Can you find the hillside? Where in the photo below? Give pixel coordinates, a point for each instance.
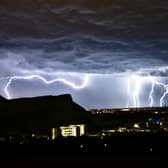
(29, 114)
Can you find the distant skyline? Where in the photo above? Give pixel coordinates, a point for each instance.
(105, 54)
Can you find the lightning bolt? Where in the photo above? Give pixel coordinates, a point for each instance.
(134, 94)
(151, 94)
(128, 89)
(154, 84)
(48, 82)
(164, 96)
(138, 82)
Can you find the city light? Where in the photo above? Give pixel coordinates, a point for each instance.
(53, 134)
(136, 125)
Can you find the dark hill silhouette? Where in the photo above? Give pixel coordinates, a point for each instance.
(2, 98)
(30, 114)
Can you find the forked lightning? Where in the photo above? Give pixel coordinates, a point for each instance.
(48, 82)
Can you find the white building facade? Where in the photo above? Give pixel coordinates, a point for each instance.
(73, 130)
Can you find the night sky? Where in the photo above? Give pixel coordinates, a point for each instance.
(106, 53)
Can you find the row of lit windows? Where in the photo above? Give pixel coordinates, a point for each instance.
(67, 131)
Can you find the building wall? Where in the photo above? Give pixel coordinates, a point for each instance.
(55, 132)
(72, 130)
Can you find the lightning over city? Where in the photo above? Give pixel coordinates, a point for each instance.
(85, 79)
(119, 60)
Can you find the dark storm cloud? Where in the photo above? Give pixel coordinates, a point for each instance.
(127, 19)
(157, 72)
(98, 37)
(83, 36)
(91, 62)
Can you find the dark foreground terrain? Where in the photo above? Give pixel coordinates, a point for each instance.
(135, 144)
(118, 150)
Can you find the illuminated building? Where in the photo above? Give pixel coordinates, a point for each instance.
(136, 125)
(51, 134)
(40, 136)
(122, 129)
(55, 132)
(73, 130)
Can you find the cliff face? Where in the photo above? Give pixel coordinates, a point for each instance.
(39, 113)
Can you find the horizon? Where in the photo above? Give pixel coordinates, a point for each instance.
(62, 95)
